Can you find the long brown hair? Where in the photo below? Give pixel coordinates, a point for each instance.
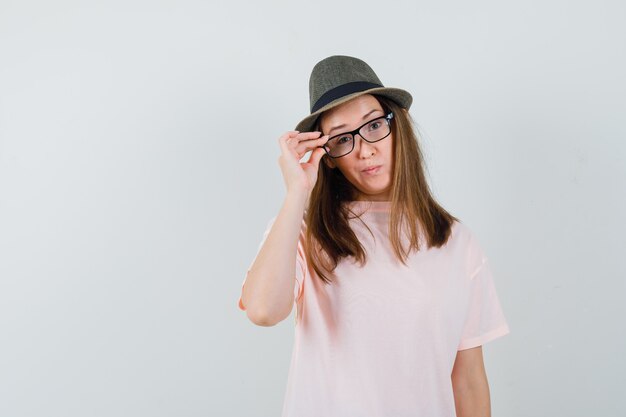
(328, 234)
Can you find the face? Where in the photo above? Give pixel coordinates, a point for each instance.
(374, 185)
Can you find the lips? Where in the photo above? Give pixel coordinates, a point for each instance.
(372, 168)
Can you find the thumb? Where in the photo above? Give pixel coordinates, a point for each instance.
(316, 156)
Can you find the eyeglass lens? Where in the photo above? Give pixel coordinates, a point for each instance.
(343, 144)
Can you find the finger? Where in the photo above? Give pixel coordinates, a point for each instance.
(303, 145)
(315, 148)
(289, 134)
(291, 142)
(316, 156)
(307, 135)
(285, 147)
(306, 145)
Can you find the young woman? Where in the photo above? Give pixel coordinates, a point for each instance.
(394, 296)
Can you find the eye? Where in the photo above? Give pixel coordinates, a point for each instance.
(375, 125)
(343, 139)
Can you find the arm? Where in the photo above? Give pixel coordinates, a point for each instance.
(469, 382)
(269, 285)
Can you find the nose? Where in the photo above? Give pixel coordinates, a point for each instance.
(365, 149)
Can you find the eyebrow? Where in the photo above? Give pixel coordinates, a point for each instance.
(364, 116)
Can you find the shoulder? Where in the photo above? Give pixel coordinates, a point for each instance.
(475, 254)
(465, 241)
(461, 234)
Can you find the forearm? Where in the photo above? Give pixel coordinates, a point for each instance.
(471, 397)
(269, 286)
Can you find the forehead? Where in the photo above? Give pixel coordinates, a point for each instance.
(349, 112)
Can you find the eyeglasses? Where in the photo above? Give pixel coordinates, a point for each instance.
(372, 131)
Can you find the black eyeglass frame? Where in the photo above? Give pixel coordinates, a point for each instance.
(356, 131)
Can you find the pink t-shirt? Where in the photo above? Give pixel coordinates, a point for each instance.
(381, 340)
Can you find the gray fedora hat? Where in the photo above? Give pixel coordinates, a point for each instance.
(340, 78)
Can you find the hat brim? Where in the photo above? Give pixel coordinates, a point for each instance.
(402, 97)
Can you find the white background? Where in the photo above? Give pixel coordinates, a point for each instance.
(138, 170)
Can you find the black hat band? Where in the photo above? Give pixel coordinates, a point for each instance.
(342, 90)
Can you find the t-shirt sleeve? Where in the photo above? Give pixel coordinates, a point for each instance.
(301, 265)
(484, 319)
